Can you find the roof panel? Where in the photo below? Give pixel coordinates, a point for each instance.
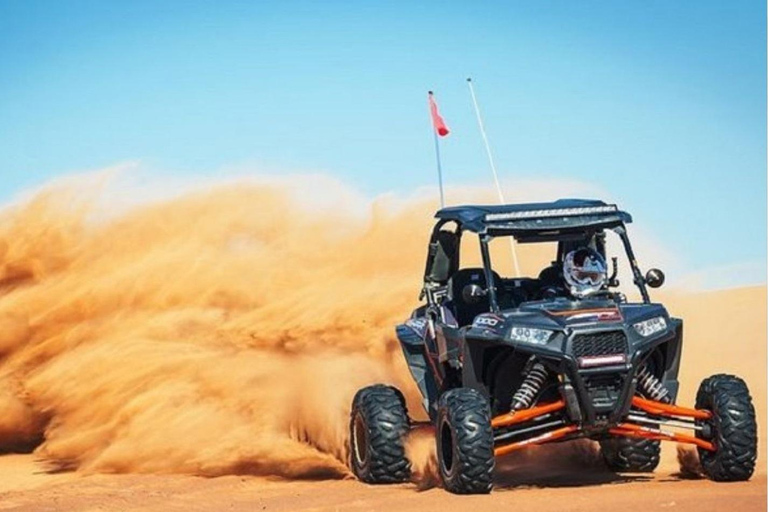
(530, 217)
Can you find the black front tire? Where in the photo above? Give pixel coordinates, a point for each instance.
(733, 429)
(630, 455)
(465, 442)
(377, 429)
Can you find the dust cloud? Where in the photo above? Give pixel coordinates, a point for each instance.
(219, 332)
(222, 331)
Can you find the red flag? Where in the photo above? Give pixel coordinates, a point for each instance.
(437, 121)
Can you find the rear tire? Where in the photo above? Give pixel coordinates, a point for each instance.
(733, 429)
(630, 455)
(465, 442)
(377, 429)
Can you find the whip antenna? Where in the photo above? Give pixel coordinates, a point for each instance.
(493, 168)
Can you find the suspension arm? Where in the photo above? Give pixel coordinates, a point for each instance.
(515, 417)
(639, 417)
(540, 439)
(632, 430)
(536, 427)
(664, 409)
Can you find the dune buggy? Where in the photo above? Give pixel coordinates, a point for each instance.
(505, 363)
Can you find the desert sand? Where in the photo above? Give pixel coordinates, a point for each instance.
(150, 363)
(571, 492)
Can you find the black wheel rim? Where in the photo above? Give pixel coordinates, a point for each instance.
(714, 430)
(446, 447)
(711, 424)
(360, 440)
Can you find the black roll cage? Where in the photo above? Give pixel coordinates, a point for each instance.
(429, 283)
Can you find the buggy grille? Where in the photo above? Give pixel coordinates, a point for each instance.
(599, 344)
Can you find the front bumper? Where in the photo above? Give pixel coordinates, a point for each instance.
(603, 392)
(598, 396)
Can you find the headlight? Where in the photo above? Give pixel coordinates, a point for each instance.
(650, 326)
(530, 335)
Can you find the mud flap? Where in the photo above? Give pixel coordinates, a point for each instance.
(413, 349)
(674, 350)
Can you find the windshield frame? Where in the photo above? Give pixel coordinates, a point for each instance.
(620, 230)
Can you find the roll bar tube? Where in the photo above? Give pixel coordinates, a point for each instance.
(638, 276)
(486, 255)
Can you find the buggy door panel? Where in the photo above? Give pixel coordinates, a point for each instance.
(448, 344)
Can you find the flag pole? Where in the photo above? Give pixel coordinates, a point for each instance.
(435, 119)
(493, 168)
(439, 170)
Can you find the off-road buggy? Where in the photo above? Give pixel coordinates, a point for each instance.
(507, 363)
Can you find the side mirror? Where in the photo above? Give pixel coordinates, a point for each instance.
(654, 278)
(472, 293)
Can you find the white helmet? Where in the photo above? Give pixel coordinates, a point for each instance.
(584, 271)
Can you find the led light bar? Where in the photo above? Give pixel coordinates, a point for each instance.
(553, 212)
(590, 362)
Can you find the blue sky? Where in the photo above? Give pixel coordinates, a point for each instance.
(660, 103)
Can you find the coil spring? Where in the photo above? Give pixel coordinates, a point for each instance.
(534, 380)
(652, 386)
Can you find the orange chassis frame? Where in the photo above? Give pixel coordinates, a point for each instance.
(669, 411)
